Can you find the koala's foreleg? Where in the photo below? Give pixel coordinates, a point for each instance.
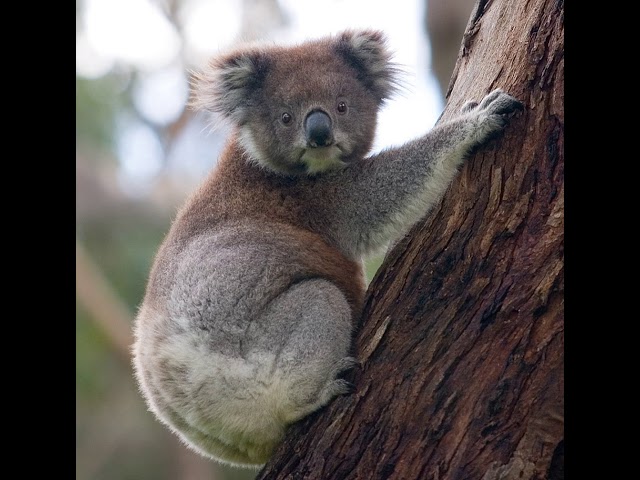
(380, 198)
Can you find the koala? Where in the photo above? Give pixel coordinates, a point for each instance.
(246, 322)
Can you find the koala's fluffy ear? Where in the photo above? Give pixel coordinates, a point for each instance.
(227, 85)
(366, 51)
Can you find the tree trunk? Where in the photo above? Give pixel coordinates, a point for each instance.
(462, 335)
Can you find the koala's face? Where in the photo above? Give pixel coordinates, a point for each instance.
(303, 109)
(312, 114)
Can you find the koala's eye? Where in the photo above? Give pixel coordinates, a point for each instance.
(286, 118)
(342, 107)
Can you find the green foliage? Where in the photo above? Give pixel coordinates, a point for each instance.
(124, 250)
(93, 355)
(97, 102)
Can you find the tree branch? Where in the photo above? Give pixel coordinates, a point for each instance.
(104, 306)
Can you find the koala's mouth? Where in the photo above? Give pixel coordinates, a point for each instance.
(330, 152)
(321, 159)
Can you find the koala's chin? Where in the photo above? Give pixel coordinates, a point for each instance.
(322, 159)
(247, 319)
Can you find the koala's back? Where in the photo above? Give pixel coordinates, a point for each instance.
(237, 307)
(220, 281)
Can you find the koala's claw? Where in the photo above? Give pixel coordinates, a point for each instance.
(500, 103)
(491, 97)
(344, 387)
(346, 364)
(492, 114)
(468, 106)
(495, 103)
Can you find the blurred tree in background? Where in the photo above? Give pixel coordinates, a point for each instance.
(139, 152)
(445, 21)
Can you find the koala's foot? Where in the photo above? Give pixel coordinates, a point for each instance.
(314, 348)
(492, 114)
(341, 386)
(346, 364)
(333, 387)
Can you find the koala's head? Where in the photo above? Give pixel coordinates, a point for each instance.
(303, 109)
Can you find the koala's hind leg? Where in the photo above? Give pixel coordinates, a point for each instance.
(315, 348)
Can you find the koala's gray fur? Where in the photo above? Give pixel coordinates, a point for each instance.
(246, 321)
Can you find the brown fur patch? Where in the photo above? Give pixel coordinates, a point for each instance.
(238, 191)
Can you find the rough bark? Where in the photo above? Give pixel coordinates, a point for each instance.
(462, 336)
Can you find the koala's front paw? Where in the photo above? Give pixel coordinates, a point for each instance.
(492, 114)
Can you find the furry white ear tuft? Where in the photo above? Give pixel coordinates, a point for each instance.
(366, 51)
(226, 84)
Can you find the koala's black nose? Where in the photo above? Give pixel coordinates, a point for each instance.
(318, 129)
